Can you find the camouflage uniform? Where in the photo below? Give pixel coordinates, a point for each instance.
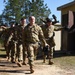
(7, 47)
(12, 43)
(5, 36)
(21, 48)
(48, 33)
(32, 34)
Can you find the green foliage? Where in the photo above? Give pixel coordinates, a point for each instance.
(15, 9)
(39, 10)
(65, 62)
(1, 41)
(2, 52)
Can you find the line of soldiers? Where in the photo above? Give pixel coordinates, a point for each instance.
(13, 42)
(23, 41)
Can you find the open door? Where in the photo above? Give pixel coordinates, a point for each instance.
(70, 19)
(71, 33)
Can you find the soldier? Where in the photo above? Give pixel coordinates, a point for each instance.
(48, 30)
(5, 35)
(49, 34)
(21, 51)
(32, 35)
(12, 41)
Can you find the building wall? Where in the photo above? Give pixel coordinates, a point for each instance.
(65, 10)
(64, 34)
(57, 40)
(67, 40)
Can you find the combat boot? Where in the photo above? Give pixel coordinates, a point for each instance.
(31, 69)
(51, 63)
(13, 60)
(19, 64)
(44, 59)
(16, 60)
(24, 63)
(9, 59)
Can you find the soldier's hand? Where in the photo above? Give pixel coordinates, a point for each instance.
(47, 45)
(65, 28)
(3, 27)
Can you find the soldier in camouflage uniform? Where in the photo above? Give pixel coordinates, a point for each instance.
(32, 35)
(48, 30)
(12, 42)
(6, 35)
(21, 51)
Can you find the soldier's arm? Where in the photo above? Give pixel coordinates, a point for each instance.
(58, 28)
(42, 38)
(9, 39)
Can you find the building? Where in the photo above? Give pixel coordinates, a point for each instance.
(68, 20)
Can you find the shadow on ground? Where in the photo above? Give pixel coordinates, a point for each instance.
(60, 53)
(16, 71)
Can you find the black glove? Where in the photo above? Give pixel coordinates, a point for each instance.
(65, 28)
(45, 50)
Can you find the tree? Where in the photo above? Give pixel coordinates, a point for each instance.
(15, 9)
(39, 10)
(12, 11)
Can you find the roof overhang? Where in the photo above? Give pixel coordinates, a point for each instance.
(66, 5)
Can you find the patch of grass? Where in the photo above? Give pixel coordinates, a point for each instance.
(65, 62)
(2, 53)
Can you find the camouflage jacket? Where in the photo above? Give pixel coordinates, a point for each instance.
(33, 34)
(20, 33)
(48, 31)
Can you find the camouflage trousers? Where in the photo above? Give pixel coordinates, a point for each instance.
(20, 52)
(51, 43)
(31, 51)
(12, 51)
(48, 53)
(24, 54)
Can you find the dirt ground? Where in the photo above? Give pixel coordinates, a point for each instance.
(8, 68)
(63, 65)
